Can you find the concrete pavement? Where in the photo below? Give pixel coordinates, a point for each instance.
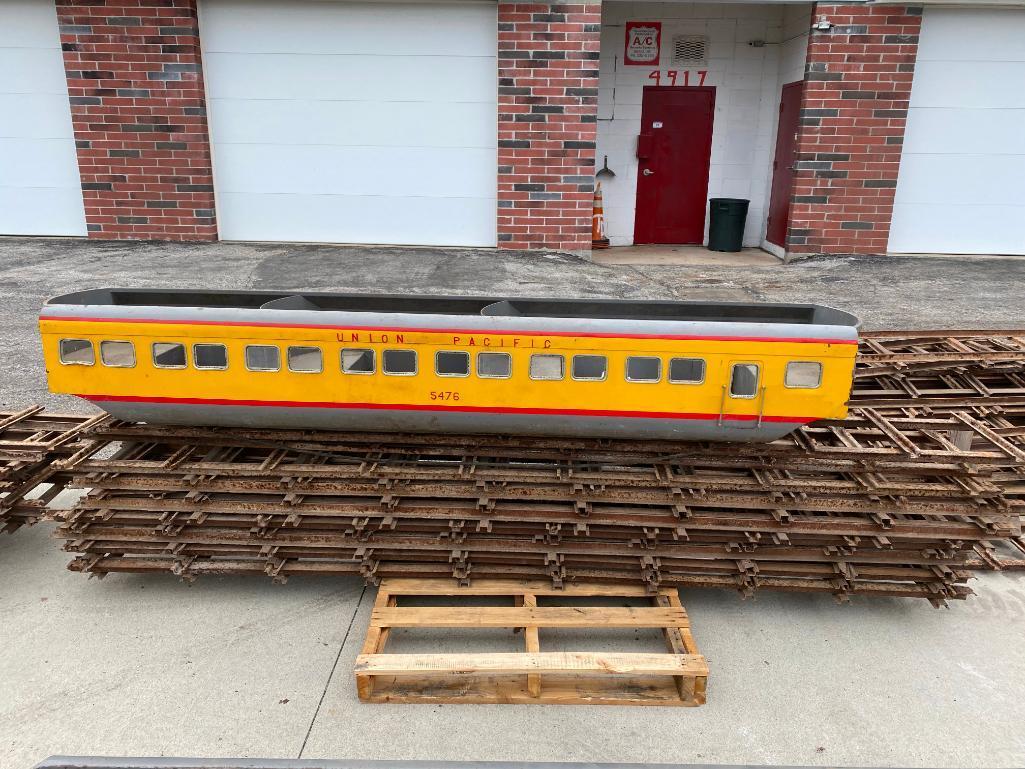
(145, 665)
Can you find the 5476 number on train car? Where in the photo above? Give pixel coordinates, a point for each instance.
(444, 395)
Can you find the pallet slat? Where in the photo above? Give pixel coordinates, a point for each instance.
(529, 616)
(537, 662)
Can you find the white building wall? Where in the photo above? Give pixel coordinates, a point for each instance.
(747, 80)
(793, 48)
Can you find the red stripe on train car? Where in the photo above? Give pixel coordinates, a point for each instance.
(461, 409)
(469, 331)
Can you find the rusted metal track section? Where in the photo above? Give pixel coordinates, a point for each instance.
(927, 378)
(35, 449)
(744, 578)
(870, 506)
(989, 387)
(866, 440)
(1000, 555)
(941, 370)
(956, 389)
(896, 351)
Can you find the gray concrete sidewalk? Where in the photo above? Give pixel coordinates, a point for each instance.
(144, 665)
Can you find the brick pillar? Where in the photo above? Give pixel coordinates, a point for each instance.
(139, 113)
(547, 123)
(858, 86)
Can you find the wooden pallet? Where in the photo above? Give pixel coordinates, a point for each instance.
(531, 676)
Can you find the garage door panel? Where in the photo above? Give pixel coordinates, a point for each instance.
(32, 70)
(971, 84)
(972, 35)
(38, 163)
(319, 170)
(40, 116)
(980, 179)
(950, 131)
(960, 187)
(41, 211)
(395, 124)
(40, 187)
(349, 78)
(27, 25)
(353, 122)
(326, 218)
(354, 30)
(958, 229)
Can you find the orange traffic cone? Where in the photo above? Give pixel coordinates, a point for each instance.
(598, 237)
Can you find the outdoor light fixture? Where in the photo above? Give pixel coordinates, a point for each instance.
(605, 172)
(822, 24)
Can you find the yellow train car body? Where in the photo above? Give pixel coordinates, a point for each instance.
(428, 400)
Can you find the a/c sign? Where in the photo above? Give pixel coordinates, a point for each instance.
(643, 42)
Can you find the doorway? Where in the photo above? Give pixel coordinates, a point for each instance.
(783, 164)
(673, 153)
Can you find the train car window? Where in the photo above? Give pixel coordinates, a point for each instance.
(547, 367)
(210, 356)
(643, 369)
(803, 374)
(494, 365)
(744, 380)
(169, 355)
(263, 357)
(686, 371)
(399, 362)
(590, 368)
(305, 360)
(452, 363)
(357, 361)
(77, 352)
(117, 354)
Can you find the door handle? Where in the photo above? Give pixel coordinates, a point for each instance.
(647, 172)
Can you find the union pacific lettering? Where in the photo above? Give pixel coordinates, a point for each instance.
(373, 337)
(370, 337)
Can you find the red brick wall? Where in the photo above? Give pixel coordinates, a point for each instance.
(138, 109)
(547, 123)
(858, 85)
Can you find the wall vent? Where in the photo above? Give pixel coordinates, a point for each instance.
(690, 50)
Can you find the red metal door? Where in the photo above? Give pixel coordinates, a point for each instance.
(783, 164)
(673, 153)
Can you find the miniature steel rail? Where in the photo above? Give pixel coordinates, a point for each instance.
(874, 505)
(34, 446)
(922, 485)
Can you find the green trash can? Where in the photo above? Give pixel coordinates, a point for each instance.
(726, 225)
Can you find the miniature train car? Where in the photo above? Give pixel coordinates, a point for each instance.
(629, 369)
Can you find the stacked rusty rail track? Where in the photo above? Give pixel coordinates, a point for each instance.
(979, 373)
(871, 505)
(34, 447)
(923, 484)
(952, 370)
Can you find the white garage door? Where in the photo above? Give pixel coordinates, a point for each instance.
(961, 188)
(40, 189)
(353, 122)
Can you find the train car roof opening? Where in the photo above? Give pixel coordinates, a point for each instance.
(611, 309)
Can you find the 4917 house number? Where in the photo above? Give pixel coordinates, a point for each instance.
(679, 77)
